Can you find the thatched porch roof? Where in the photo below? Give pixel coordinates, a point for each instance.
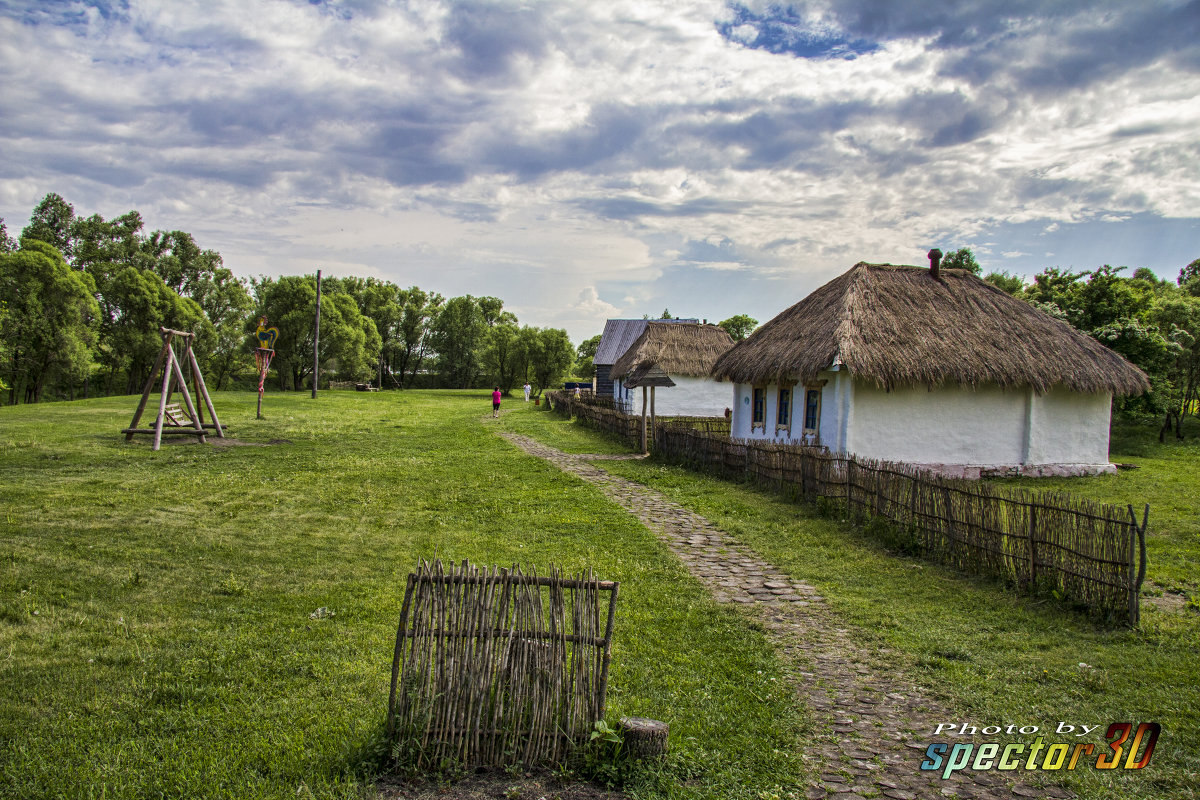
(898, 326)
(676, 348)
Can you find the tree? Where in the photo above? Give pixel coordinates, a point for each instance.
(418, 309)
(666, 314)
(962, 258)
(227, 305)
(585, 355)
(380, 301)
(458, 335)
(1178, 319)
(505, 355)
(48, 328)
(1012, 284)
(1189, 278)
(7, 243)
(51, 223)
(739, 326)
(352, 346)
(141, 304)
(550, 355)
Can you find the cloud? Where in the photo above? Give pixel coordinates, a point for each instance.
(591, 306)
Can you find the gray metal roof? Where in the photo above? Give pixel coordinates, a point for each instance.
(619, 334)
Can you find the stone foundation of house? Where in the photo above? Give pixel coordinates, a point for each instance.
(974, 472)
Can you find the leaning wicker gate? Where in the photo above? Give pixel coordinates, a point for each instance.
(494, 667)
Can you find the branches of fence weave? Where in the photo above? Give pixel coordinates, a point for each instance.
(1089, 553)
(496, 667)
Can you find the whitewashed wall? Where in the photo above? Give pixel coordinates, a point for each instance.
(952, 429)
(689, 397)
(1069, 428)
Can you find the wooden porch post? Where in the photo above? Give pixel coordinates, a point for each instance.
(644, 450)
(652, 428)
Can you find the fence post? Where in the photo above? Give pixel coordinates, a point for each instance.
(1032, 546)
(1137, 534)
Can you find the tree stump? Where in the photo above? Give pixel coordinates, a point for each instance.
(644, 738)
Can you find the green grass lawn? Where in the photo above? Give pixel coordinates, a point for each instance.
(155, 630)
(998, 657)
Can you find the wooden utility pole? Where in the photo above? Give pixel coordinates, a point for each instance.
(317, 340)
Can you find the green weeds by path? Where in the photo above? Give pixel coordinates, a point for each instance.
(997, 657)
(155, 629)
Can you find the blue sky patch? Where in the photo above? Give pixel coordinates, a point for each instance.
(782, 30)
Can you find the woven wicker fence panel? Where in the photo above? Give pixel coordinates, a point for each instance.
(1084, 551)
(495, 667)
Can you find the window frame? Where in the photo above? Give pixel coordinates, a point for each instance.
(785, 425)
(815, 431)
(758, 393)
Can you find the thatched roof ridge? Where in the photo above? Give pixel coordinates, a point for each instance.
(898, 326)
(678, 348)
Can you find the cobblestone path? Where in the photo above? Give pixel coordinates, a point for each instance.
(872, 725)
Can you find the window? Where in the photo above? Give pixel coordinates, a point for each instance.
(759, 405)
(812, 410)
(783, 411)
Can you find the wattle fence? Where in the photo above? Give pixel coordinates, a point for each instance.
(1085, 552)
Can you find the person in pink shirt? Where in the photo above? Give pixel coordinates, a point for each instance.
(496, 402)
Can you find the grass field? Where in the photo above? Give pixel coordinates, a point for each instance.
(155, 630)
(155, 637)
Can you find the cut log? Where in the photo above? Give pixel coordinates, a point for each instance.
(644, 738)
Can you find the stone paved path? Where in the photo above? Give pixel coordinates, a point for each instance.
(873, 726)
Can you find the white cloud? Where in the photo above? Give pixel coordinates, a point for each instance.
(592, 307)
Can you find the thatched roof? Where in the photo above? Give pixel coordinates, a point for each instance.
(677, 348)
(898, 326)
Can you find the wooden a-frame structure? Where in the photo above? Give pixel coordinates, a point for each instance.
(172, 419)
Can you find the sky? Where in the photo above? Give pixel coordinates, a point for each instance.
(584, 160)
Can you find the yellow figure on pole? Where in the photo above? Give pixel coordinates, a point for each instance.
(262, 356)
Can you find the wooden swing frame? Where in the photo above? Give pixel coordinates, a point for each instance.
(172, 376)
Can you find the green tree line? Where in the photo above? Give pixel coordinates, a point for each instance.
(82, 300)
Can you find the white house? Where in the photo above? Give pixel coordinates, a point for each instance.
(931, 367)
(676, 358)
(618, 336)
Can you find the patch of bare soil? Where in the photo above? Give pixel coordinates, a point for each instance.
(1173, 602)
(495, 786)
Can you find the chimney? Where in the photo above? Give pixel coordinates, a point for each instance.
(935, 257)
